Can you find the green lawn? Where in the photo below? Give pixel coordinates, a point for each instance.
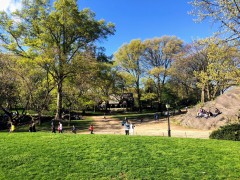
(70, 156)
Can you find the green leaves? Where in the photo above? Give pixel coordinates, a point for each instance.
(53, 36)
(218, 68)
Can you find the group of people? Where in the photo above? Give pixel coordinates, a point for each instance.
(59, 128)
(74, 130)
(206, 114)
(129, 127)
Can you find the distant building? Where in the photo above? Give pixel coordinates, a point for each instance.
(126, 100)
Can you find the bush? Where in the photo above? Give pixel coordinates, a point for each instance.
(228, 132)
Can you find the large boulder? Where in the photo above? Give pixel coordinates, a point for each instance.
(228, 103)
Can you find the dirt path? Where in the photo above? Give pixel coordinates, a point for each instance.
(147, 127)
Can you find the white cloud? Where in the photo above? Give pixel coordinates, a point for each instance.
(10, 5)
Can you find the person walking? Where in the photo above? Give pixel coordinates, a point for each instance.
(53, 127)
(12, 128)
(60, 128)
(156, 116)
(74, 129)
(132, 126)
(33, 126)
(91, 128)
(126, 127)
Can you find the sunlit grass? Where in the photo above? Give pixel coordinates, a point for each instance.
(70, 156)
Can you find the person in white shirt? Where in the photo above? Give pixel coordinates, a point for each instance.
(60, 127)
(126, 127)
(132, 126)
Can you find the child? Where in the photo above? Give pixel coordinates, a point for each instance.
(73, 129)
(12, 128)
(91, 129)
(60, 127)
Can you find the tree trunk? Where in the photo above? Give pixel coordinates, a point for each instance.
(203, 94)
(139, 99)
(208, 93)
(69, 118)
(159, 93)
(159, 106)
(59, 101)
(39, 118)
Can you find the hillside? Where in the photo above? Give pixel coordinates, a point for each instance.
(228, 103)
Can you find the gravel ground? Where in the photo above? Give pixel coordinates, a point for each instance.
(147, 128)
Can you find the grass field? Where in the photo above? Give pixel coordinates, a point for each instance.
(72, 156)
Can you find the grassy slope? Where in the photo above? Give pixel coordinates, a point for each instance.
(69, 156)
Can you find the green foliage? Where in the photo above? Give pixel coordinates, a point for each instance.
(220, 66)
(128, 60)
(158, 57)
(73, 156)
(52, 35)
(228, 132)
(208, 66)
(148, 96)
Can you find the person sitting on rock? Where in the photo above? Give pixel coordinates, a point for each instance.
(202, 113)
(209, 113)
(217, 112)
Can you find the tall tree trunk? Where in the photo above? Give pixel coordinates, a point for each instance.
(159, 94)
(139, 98)
(159, 106)
(159, 100)
(59, 101)
(208, 93)
(203, 94)
(39, 117)
(69, 117)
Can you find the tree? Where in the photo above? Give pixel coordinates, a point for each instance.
(106, 83)
(8, 92)
(209, 66)
(35, 86)
(224, 12)
(52, 36)
(183, 81)
(128, 59)
(149, 92)
(222, 61)
(158, 56)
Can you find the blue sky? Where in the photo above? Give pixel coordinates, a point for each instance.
(141, 19)
(145, 19)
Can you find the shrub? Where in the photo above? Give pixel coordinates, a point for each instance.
(228, 132)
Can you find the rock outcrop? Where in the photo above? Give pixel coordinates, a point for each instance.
(228, 103)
